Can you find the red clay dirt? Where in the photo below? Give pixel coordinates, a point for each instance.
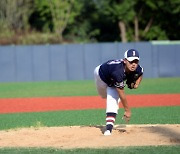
(13, 105)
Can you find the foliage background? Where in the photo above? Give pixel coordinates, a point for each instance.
(78, 21)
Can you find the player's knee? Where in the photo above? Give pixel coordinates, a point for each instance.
(112, 98)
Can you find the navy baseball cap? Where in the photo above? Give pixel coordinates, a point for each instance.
(131, 55)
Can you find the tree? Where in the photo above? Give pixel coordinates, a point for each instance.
(61, 13)
(15, 14)
(41, 19)
(84, 27)
(120, 11)
(157, 18)
(142, 19)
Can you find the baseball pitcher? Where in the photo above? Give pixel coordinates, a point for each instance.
(111, 77)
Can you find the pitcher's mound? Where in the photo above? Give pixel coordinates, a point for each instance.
(91, 137)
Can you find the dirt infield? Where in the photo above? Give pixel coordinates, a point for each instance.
(12, 105)
(91, 137)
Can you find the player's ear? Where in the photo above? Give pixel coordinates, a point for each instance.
(125, 60)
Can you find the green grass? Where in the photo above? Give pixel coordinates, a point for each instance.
(120, 150)
(44, 89)
(82, 88)
(151, 115)
(157, 86)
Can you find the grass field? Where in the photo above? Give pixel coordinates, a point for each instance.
(150, 115)
(120, 150)
(82, 88)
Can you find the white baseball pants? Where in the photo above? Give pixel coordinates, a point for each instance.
(110, 93)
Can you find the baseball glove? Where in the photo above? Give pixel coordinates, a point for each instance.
(131, 80)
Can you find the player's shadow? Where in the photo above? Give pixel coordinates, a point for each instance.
(102, 128)
(120, 128)
(173, 136)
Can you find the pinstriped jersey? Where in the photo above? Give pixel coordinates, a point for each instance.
(113, 73)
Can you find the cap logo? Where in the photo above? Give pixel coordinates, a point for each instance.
(134, 53)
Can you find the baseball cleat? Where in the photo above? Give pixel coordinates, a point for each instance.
(107, 133)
